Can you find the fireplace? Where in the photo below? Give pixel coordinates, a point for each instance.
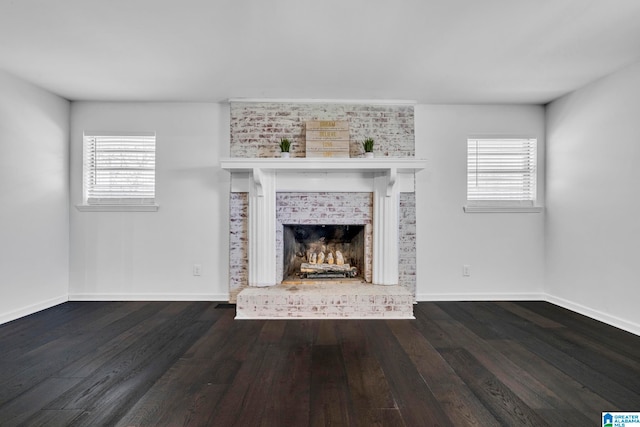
(324, 252)
(297, 208)
(268, 195)
(324, 215)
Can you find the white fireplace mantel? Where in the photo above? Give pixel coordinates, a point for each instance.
(300, 174)
(324, 164)
(262, 178)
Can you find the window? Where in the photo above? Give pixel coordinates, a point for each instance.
(501, 174)
(119, 171)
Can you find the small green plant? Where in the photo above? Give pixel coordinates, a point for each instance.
(367, 144)
(285, 145)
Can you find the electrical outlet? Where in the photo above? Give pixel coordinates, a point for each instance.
(197, 269)
(466, 270)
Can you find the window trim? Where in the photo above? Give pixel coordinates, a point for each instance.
(502, 209)
(503, 206)
(118, 208)
(123, 205)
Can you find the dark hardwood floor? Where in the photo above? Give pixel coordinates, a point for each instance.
(190, 363)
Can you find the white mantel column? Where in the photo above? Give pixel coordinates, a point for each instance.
(386, 222)
(262, 228)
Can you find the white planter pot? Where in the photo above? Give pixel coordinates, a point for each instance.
(368, 155)
(285, 154)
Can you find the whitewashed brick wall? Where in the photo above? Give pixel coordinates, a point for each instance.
(407, 254)
(256, 127)
(238, 248)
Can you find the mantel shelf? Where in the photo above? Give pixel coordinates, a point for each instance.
(379, 164)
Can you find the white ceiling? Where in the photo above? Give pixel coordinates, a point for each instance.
(431, 51)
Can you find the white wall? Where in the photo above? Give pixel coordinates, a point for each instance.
(34, 198)
(150, 255)
(593, 230)
(505, 250)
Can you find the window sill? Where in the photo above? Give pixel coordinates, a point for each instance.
(117, 208)
(503, 209)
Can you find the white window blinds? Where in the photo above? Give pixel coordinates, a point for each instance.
(119, 169)
(501, 171)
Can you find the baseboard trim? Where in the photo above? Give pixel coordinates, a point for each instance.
(149, 297)
(33, 308)
(482, 297)
(619, 323)
(625, 325)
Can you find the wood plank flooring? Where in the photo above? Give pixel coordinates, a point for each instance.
(191, 364)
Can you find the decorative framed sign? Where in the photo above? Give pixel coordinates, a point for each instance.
(327, 138)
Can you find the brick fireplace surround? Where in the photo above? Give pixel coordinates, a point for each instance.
(267, 192)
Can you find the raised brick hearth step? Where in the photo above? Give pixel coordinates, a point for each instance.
(325, 301)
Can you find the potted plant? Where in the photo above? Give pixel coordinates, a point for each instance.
(367, 144)
(285, 145)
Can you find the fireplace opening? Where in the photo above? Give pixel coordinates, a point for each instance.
(323, 252)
